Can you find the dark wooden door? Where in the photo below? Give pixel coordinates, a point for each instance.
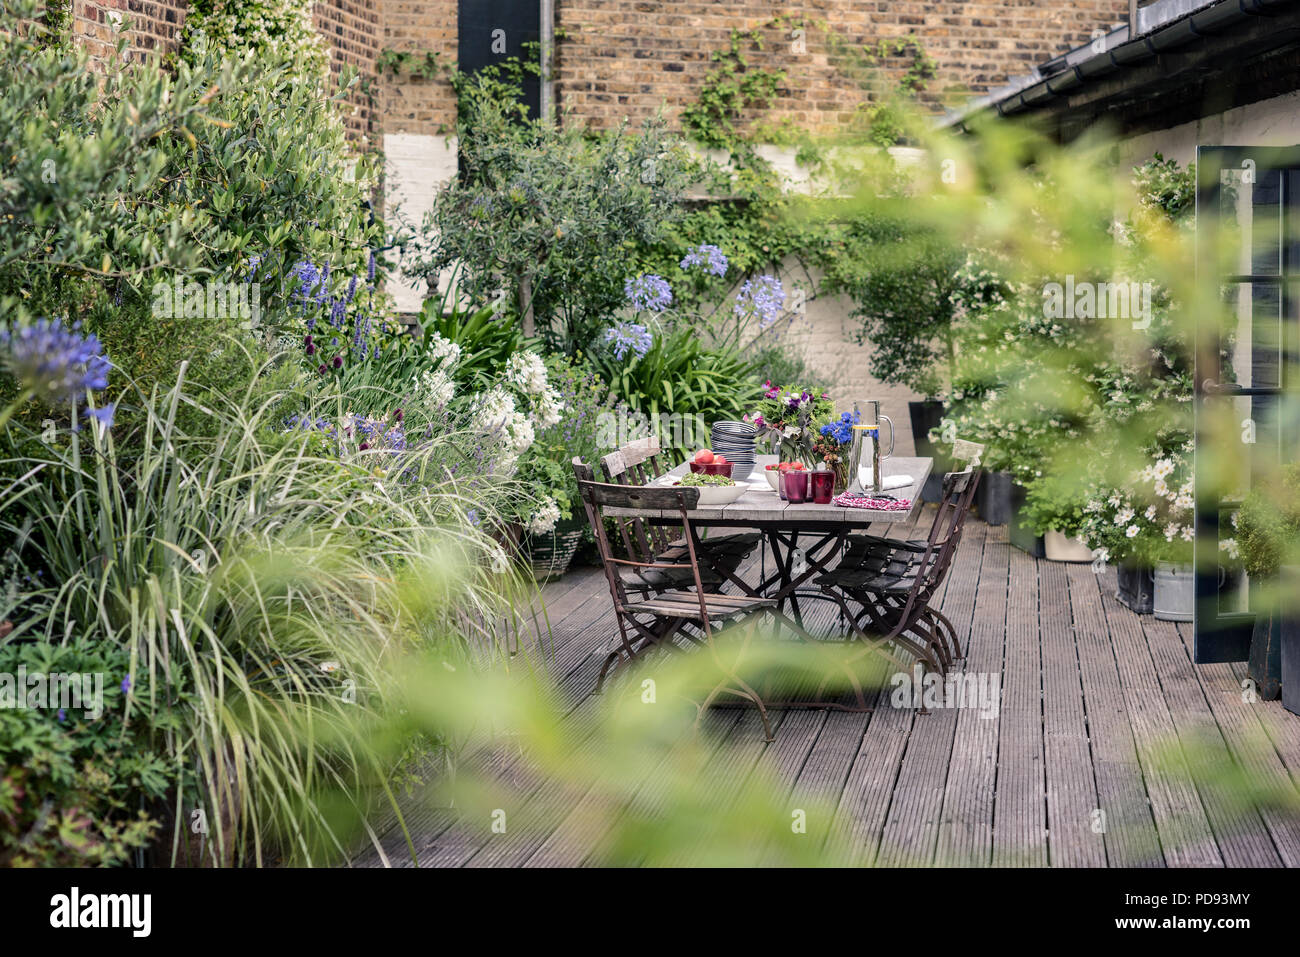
(1247, 204)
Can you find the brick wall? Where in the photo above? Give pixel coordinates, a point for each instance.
(419, 105)
(622, 58)
(354, 31)
(155, 24)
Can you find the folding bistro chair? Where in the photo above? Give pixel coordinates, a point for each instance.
(893, 582)
(637, 463)
(655, 572)
(654, 621)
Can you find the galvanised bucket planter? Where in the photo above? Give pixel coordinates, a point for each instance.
(1175, 592)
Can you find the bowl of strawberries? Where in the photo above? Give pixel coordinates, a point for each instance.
(778, 469)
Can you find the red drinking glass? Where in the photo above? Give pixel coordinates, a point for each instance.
(823, 486)
(796, 486)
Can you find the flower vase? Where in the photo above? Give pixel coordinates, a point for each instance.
(841, 470)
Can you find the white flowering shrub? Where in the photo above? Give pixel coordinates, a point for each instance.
(262, 27)
(1149, 520)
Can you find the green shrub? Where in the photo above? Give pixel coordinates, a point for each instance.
(126, 181)
(679, 375)
(549, 214)
(261, 583)
(74, 778)
(1268, 524)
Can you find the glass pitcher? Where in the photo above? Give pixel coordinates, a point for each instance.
(865, 454)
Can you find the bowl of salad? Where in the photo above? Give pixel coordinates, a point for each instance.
(715, 490)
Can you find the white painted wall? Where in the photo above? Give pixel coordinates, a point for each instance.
(417, 168)
(1272, 122)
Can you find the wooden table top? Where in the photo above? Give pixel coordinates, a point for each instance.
(762, 506)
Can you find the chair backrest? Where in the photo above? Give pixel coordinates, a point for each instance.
(598, 496)
(637, 463)
(945, 531)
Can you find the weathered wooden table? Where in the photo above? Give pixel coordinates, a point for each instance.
(823, 527)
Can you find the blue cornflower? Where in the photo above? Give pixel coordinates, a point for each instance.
(709, 256)
(763, 296)
(126, 685)
(648, 292)
(841, 430)
(629, 335)
(55, 363)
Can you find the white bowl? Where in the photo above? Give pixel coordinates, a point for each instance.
(713, 496)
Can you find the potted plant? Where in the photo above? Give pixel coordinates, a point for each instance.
(1053, 508)
(1146, 525)
(1268, 538)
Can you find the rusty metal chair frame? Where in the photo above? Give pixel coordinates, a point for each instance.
(653, 622)
(873, 579)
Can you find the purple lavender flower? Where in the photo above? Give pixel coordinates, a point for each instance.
(126, 685)
(62, 715)
(370, 268)
(309, 279)
(763, 296)
(629, 335)
(55, 363)
(707, 255)
(104, 415)
(648, 291)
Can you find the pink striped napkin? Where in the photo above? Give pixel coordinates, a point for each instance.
(878, 504)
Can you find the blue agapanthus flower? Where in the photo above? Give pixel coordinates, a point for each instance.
(55, 363)
(709, 256)
(648, 291)
(627, 336)
(762, 296)
(841, 429)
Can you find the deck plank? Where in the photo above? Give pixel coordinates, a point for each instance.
(1108, 747)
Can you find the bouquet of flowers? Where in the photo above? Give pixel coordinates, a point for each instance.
(793, 416)
(832, 445)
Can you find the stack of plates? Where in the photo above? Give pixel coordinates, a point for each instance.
(735, 441)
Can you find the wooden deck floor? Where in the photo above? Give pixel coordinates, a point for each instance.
(1110, 747)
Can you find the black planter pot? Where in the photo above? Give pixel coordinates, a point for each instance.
(1021, 536)
(1137, 587)
(1265, 664)
(925, 416)
(993, 497)
(1290, 657)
